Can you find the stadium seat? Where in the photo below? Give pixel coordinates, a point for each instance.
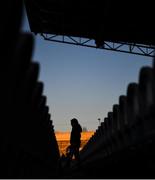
(146, 92)
(133, 113)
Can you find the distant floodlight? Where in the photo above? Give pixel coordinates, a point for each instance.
(99, 121)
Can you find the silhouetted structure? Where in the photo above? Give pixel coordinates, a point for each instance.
(97, 20)
(28, 147)
(109, 23)
(122, 146)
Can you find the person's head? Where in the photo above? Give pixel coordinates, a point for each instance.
(74, 122)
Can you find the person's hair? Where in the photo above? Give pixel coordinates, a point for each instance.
(74, 120)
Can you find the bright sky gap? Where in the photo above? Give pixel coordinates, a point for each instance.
(83, 82)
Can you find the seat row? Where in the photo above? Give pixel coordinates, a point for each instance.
(28, 146)
(128, 132)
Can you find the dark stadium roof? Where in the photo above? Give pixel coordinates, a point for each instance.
(102, 20)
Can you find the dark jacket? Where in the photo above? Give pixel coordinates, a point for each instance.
(76, 135)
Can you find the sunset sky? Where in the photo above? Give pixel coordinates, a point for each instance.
(82, 82)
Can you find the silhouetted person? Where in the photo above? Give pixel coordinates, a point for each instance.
(75, 141)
